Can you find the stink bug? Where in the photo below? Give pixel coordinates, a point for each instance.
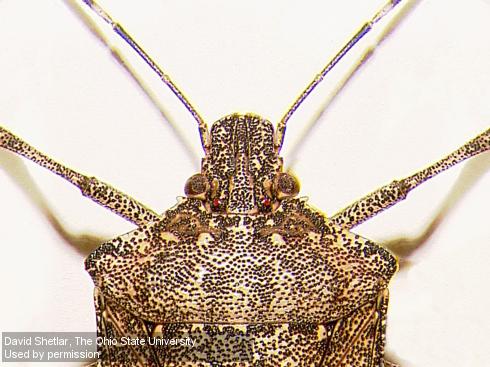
(331, 199)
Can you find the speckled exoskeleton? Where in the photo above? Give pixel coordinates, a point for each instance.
(242, 249)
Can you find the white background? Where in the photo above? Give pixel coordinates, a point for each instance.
(424, 92)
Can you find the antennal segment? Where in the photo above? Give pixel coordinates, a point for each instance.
(203, 128)
(281, 126)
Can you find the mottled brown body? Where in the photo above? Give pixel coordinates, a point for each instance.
(303, 289)
(242, 258)
(275, 275)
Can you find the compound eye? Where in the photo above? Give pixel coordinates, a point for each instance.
(197, 186)
(286, 186)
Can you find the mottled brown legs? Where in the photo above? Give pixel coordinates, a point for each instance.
(14, 167)
(389, 364)
(100, 192)
(388, 195)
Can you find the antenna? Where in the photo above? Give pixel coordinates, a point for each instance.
(117, 28)
(281, 126)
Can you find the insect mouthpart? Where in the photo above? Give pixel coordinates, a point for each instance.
(241, 174)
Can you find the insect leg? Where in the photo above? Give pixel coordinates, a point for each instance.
(406, 246)
(98, 191)
(389, 364)
(388, 195)
(14, 167)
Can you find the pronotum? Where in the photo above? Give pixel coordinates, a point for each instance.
(420, 96)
